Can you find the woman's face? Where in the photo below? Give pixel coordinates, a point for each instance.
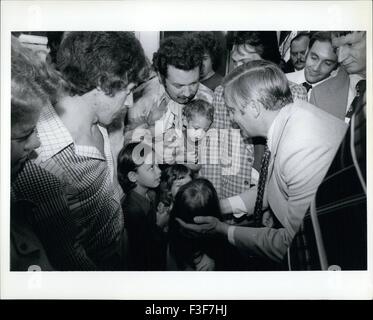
(24, 140)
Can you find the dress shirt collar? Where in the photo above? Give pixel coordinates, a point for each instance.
(55, 137)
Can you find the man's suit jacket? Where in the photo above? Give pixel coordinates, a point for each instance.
(341, 205)
(332, 94)
(303, 143)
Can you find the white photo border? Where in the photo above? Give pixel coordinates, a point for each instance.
(176, 16)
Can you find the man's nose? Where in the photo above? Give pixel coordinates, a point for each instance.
(129, 100)
(316, 66)
(186, 91)
(33, 142)
(342, 54)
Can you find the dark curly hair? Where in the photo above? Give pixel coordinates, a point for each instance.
(211, 46)
(110, 60)
(184, 52)
(263, 42)
(198, 107)
(129, 159)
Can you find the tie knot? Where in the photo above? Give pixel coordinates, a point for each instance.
(307, 86)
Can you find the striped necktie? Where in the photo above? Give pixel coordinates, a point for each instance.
(261, 187)
(360, 89)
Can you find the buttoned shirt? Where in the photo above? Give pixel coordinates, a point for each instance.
(151, 96)
(232, 174)
(79, 217)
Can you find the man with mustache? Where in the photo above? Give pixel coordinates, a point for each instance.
(298, 50)
(336, 95)
(158, 110)
(321, 63)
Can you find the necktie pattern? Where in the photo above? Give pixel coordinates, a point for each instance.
(261, 187)
(307, 86)
(360, 89)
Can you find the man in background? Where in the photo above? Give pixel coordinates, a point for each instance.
(337, 95)
(321, 63)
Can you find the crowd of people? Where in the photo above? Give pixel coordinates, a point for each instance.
(120, 164)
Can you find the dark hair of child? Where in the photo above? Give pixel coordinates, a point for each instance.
(169, 176)
(196, 198)
(127, 162)
(198, 107)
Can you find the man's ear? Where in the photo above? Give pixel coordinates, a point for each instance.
(255, 108)
(102, 82)
(132, 176)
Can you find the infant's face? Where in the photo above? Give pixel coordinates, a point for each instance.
(197, 127)
(178, 183)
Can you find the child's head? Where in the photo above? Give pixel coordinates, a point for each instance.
(199, 116)
(137, 167)
(196, 198)
(176, 176)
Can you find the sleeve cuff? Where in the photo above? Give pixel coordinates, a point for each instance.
(238, 206)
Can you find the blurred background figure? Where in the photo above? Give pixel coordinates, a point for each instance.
(33, 86)
(212, 57)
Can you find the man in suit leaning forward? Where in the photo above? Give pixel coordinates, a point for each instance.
(302, 140)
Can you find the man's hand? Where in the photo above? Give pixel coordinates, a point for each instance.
(204, 226)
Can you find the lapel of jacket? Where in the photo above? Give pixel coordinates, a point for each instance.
(338, 91)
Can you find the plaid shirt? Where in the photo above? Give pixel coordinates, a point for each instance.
(79, 217)
(239, 152)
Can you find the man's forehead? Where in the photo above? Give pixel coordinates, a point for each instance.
(324, 49)
(180, 76)
(299, 43)
(353, 37)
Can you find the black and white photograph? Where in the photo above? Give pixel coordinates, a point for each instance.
(152, 160)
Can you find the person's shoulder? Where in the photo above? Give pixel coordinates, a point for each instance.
(333, 83)
(37, 185)
(315, 119)
(134, 204)
(204, 93)
(298, 91)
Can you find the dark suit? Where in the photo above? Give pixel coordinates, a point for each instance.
(341, 207)
(332, 94)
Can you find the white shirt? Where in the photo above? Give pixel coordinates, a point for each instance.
(299, 78)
